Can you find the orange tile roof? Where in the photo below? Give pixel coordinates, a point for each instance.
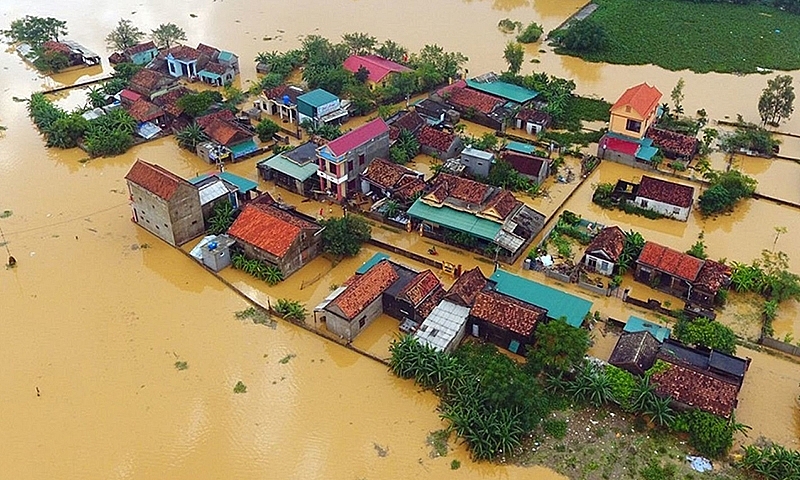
(507, 313)
(697, 389)
(155, 179)
(364, 289)
(503, 203)
(185, 53)
(420, 287)
(610, 241)
(665, 191)
(713, 276)
(667, 260)
(143, 111)
(642, 98)
(467, 286)
(446, 185)
(435, 139)
(268, 228)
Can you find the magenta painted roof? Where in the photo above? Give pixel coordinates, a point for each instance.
(378, 67)
(619, 145)
(357, 137)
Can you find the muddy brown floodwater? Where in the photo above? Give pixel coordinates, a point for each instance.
(98, 311)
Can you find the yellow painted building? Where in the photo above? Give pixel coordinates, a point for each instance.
(635, 111)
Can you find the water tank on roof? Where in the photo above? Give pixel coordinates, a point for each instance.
(286, 100)
(212, 245)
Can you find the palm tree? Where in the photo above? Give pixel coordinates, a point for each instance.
(392, 209)
(659, 411)
(97, 97)
(599, 388)
(190, 136)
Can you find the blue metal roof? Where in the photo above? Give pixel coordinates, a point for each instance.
(636, 324)
(371, 263)
(506, 90)
(520, 147)
(243, 184)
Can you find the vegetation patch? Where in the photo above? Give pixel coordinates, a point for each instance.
(291, 310)
(257, 316)
(240, 387)
(6, 214)
(438, 440)
(180, 365)
(700, 36)
(287, 358)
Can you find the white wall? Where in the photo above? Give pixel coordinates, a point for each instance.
(678, 213)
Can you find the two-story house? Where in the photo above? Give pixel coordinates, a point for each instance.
(631, 116)
(341, 161)
(319, 107)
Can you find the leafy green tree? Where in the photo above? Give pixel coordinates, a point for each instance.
(35, 30)
(197, 104)
(97, 97)
(698, 250)
(167, 34)
(392, 51)
(266, 129)
(777, 100)
(126, 70)
(268, 81)
(233, 96)
(559, 347)
(726, 189)
(124, 35)
(530, 33)
(677, 96)
(584, 36)
(222, 218)
(710, 435)
(447, 64)
(514, 55)
(343, 236)
(359, 43)
(50, 61)
(705, 332)
(66, 131)
(362, 75)
(190, 136)
(362, 99)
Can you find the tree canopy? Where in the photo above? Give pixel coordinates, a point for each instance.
(124, 35)
(167, 34)
(559, 347)
(35, 30)
(343, 236)
(777, 100)
(708, 333)
(514, 55)
(585, 36)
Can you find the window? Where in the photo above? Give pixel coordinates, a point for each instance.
(361, 159)
(676, 211)
(349, 166)
(362, 322)
(644, 203)
(633, 126)
(194, 222)
(166, 226)
(603, 265)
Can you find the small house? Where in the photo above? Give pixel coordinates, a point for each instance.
(531, 167)
(436, 113)
(342, 160)
(223, 129)
(532, 121)
(474, 105)
(164, 204)
(603, 253)
(636, 324)
(151, 83)
(281, 101)
(295, 170)
(127, 97)
(444, 328)
(143, 112)
(217, 187)
(504, 321)
(77, 54)
(140, 54)
(635, 351)
(667, 198)
(169, 103)
(319, 107)
(276, 236)
(389, 180)
(439, 144)
(489, 83)
(380, 69)
(635, 111)
(477, 162)
(411, 122)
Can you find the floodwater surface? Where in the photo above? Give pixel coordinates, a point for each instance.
(98, 311)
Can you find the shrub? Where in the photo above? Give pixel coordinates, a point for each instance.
(530, 33)
(556, 428)
(240, 387)
(709, 333)
(710, 435)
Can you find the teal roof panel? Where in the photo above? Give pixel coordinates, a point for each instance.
(455, 220)
(371, 263)
(290, 168)
(520, 147)
(317, 98)
(636, 324)
(505, 90)
(243, 184)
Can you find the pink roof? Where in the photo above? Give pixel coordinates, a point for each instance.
(358, 137)
(378, 67)
(129, 95)
(619, 145)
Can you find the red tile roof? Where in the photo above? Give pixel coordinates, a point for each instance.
(378, 67)
(672, 142)
(411, 121)
(670, 261)
(435, 139)
(144, 111)
(385, 174)
(208, 50)
(466, 287)
(268, 228)
(427, 306)
(713, 276)
(665, 192)
(461, 96)
(215, 67)
(142, 47)
(507, 313)
(619, 145)
(503, 203)
(129, 95)
(525, 164)
(642, 98)
(146, 80)
(408, 187)
(358, 137)
(445, 185)
(185, 53)
(697, 389)
(169, 100)
(277, 93)
(534, 116)
(225, 133)
(364, 289)
(206, 120)
(155, 179)
(420, 287)
(610, 241)
(56, 47)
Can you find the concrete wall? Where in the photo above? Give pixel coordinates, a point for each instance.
(678, 213)
(177, 221)
(609, 270)
(349, 330)
(186, 214)
(377, 148)
(301, 252)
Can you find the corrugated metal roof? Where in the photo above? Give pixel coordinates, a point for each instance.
(520, 147)
(371, 262)
(636, 324)
(505, 90)
(212, 191)
(456, 220)
(288, 167)
(330, 298)
(441, 327)
(243, 184)
(557, 303)
(317, 98)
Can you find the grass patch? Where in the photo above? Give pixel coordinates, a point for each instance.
(180, 365)
(286, 359)
(6, 214)
(702, 37)
(438, 440)
(257, 316)
(240, 387)
(455, 465)
(583, 109)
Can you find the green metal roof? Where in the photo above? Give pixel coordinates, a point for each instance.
(520, 147)
(636, 324)
(505, 90)
(558, 304)
(288, 167)
(317, 98)
(371, 263)
(455, 220)
(225, 56)
(243, 184)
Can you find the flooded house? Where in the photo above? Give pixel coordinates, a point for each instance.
(682, 275)
(320, 107)
(164, 204)
(473, 105)
(602, 254)
(295, 170)
(477, 162)
(438, 143)
(409, 121)
(532, 167)
(169, 103)
(385, 179)
(342, 160)
(631, 117)
(380, 69)
(532, 121)
(150, 83)
(139, 54)
(706, 379)
(229, 140)
(217, 187)
(281, 101)
(150, 118)
(76, 54)
(205, 63)
(670, 199)
(277, 236)
(435, 113)
(481, 216)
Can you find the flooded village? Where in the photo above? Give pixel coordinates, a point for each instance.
(226, 287)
